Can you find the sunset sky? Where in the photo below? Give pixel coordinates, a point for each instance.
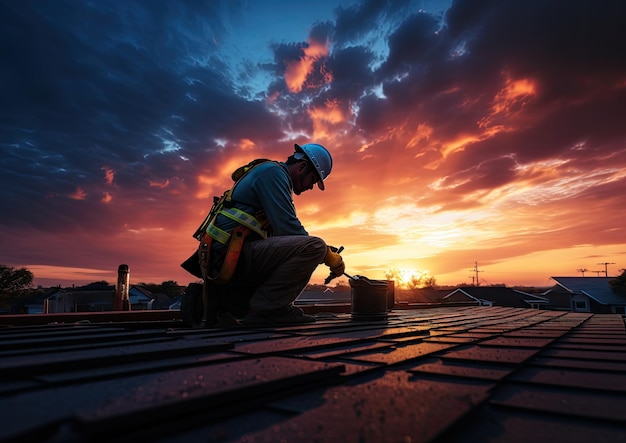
(465, 132)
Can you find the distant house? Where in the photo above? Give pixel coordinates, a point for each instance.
(141, 299)
(496, 296)
(420, 297)
(559, 298)
(81, 299)
(175, 303)
(165, 302)
(586, 294)
(32, 304)
(308, 297)
(95, 299)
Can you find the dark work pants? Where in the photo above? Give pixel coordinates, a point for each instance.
(272, 272)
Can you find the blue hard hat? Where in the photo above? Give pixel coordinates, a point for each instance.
(319, 157)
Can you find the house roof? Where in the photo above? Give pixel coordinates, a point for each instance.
(163, 301)
(323, 297)
(559, 297)
(146, 292)
(106, 290)
(421, 296)
(498, 295)
(597, 288)
(453, 374)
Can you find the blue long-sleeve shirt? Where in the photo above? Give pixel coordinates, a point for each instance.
(266, 187)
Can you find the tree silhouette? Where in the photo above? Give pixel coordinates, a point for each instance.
(618, 284)
(169, 288)
(15, 280)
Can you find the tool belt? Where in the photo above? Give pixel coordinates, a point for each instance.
(200, 264)
(233, 242)
(233, 251)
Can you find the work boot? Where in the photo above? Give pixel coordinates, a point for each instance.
(225, 320)
(289, 315)
(192, 306)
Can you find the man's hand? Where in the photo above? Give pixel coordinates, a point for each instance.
(334, 261)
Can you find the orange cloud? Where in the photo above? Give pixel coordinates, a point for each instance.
(53, 272)
(107, 198)
(422, 133)
(271, 99)
(508, 102)
(446, 148)
(298, 71)
(206, 185)
(515, 93)
(324, 117)
(109, 175)
(161, 185)
(245, 144)
(220, 180)
(79, 194)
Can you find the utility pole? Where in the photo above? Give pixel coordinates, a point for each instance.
(606, 268)
(597, 273)
(582, 270)
(476, 271)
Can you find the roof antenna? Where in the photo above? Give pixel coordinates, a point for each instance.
(476, 271)
(606, 268)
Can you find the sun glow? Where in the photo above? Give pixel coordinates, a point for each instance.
(406, 278)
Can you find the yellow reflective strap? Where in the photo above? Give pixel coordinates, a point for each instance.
(218, 234)
(232, 256)
(244, 219)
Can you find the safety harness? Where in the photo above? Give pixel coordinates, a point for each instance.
(233, 241)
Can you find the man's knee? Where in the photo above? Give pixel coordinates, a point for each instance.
(318, 248)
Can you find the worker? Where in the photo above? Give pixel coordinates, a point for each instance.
(257, 281)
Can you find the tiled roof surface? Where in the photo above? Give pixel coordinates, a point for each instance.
(457, 374)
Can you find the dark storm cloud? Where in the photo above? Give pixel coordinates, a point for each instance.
(286, 52)
(351, 73)
(447, 78)
(567, 46)
(555, 37)
(410, 75)
(356, 21)
(415, 43)
(322, 31)
(121, 85)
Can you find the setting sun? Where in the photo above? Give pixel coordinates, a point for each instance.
(405, 278)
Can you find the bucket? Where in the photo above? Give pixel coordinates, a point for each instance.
(391, 294)
(369, 298)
